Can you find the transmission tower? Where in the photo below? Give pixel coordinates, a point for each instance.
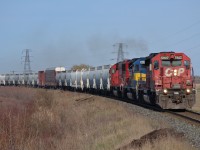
(27, 62)
(120, 53)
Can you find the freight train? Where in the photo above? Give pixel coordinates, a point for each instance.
(162, 79)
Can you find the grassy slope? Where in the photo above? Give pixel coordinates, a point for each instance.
(39, 119)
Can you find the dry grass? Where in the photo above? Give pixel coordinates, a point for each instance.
(40, 119)
(169, 143)
(196, 107)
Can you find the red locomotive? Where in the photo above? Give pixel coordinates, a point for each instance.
(170, 82)
(119, 76)
(164, 79)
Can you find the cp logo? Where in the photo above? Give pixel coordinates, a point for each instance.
(170, 71)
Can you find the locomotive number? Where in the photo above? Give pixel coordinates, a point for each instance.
(164, 57)
(170, 71)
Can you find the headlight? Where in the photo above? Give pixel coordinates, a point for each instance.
(165, 91)
(188, 91)
(175, 72)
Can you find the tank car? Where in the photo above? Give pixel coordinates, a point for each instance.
(7, 79)
(75, 77)
(85, 79)
(106, 77)
(13, 80)
(68, 79)
(2, 79)
(16, 79)
(63, 79)
(21, 79)
(99, 78)
(92, 78)
(33, 79)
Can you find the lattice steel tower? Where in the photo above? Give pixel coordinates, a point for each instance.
(27, 62)
(120, 55)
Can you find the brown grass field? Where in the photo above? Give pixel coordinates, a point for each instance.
(38, 119)
(197, 105)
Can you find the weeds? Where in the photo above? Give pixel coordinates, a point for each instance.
(41, 119)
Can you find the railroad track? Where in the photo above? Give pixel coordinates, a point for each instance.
(187, 115)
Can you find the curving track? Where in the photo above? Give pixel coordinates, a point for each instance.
(187, 115)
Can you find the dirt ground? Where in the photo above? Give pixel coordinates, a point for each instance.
(51, 119)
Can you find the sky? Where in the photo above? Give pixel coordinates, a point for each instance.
(72, 32)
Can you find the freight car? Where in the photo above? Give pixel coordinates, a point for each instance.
(41, 79)
(33, 79)
(50, 76)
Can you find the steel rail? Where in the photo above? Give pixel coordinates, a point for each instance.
(184, 116)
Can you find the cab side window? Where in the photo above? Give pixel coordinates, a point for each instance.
(156, 65)
(187, 64)
(113, 70)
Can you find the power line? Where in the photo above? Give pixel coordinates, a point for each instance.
(186, 28)
(186, 39)
(179, 31)
(197, 46)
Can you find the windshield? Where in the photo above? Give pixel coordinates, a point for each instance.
(174, 63)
